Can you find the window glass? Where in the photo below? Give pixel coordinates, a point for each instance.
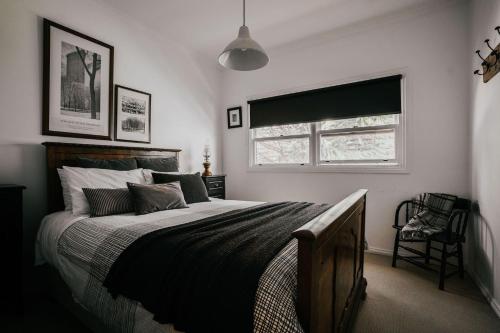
(359, 122)
(283, 151)
(283, 130)
(375, 145)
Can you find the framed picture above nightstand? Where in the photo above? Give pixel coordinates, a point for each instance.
(234, 117)
(216, 186)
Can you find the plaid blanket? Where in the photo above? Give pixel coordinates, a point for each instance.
(94, 246)
(431, 212)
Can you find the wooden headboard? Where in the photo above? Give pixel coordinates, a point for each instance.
(59, 154)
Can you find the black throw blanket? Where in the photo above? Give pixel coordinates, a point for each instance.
(203, 276)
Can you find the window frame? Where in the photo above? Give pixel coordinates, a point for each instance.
(356, 130)
(399, 165)
(253, 139)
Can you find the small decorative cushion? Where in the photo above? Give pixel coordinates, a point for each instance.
(167, 164)
(120, 165)
(156, 197)
(148, 175)
(191, 184)
(108, 201)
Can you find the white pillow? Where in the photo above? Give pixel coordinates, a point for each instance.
(78, 178)
(148, 175)
(65, 189)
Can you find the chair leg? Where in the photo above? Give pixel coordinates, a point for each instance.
(442, 273)
(427, 252)
(460, 260)
(395, 251)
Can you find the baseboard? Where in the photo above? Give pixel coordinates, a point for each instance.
(380, 251)
(486, 292)
(386, 252)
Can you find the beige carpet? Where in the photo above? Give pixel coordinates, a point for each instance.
(400, 300)
(407, 299)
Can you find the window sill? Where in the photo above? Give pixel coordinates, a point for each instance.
(360, 169)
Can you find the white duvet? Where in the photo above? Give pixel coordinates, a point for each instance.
(74, 272)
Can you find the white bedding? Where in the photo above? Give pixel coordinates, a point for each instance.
(53, 225)
(74, 271)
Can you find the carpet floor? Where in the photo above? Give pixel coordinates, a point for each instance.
(407, 299)
(404, 299)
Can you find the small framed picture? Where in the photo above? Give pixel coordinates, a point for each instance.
(77, 84)
(132, 115)
(234, 117)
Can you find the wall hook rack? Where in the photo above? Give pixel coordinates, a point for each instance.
(487, 41)
(485, 62)
(490, 64)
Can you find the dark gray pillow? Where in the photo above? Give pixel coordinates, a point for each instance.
(156, 197)
(167, 164)
(108, 201)
(120, 165)
(191, 184)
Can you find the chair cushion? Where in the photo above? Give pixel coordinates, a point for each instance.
(441, 237)
(432, 212)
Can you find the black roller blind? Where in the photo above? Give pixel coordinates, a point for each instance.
(359, 99)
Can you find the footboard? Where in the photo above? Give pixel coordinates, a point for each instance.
(330, 266)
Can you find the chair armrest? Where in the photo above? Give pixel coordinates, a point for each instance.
(396, 218)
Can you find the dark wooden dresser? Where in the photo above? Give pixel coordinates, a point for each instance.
(11, 206)
(216, 186)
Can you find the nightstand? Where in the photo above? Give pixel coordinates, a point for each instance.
(11, 206)
(216, 186)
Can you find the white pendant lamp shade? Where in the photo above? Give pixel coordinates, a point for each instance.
(243, 53)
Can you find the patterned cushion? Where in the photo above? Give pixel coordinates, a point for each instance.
(432, 211)
(107, 201)
(156, 197)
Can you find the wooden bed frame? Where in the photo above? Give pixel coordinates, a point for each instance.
(330, 247)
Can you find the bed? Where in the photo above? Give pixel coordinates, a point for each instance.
(327, 254)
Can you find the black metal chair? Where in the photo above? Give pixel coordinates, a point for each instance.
(453, 236)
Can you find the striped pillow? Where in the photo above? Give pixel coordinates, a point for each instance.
(107, 201)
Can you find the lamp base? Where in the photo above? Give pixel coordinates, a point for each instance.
(207, 171)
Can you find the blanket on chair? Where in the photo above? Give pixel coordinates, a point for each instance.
(431, 213)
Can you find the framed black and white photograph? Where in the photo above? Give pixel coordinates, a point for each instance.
(77, 84)
(234, 117)
(132, 114)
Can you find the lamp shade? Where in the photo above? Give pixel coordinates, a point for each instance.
(243, 53)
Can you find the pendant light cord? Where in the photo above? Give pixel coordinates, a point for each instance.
(243, 12)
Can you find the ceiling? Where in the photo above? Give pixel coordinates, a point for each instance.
(206, 26)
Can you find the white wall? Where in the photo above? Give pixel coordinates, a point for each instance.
(185, 91)
(485, 156)
(431, 46)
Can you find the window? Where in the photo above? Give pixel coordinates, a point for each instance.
(285, 144)
(355, 126)
(353, 143)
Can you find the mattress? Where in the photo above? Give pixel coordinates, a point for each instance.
(73, 245)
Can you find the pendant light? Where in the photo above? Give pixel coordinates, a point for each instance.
(243, 53)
